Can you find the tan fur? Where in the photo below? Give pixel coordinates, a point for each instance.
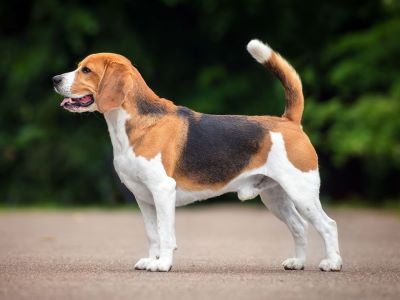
(292, 84)
(299, 150)
(151, 135)
(114, 82)
(90, 83)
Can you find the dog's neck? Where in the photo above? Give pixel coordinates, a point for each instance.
(142, 102)
(140, 111)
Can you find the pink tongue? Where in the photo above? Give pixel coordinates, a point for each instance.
(85, 99)
(66, 101)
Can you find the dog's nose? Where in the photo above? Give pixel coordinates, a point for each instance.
(57, 79)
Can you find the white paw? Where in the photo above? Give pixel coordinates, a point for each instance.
(159, 265)
(293, 264)
(333, 265)
(143, 263)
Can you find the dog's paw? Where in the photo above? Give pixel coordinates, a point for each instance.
(159, 265)
(143, 263)
(293, 264)
(331, 265)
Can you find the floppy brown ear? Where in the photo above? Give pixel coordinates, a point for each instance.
(114, 87)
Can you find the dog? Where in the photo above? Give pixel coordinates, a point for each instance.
(169, 155)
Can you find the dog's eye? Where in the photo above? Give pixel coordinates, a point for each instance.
(86, 70)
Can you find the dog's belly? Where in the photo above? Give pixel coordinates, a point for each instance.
(248, 186)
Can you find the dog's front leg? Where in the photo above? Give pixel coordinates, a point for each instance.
(150, 222)
(164, 199)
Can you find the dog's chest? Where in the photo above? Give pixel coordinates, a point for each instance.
(124, 159)
(136, 172)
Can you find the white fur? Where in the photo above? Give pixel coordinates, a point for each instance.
(64, 88)
(289, 193)
(280, 204)
(260, 51)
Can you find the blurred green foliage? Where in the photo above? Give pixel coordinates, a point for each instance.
(347, 53)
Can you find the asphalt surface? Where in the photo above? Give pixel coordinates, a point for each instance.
(225, 252)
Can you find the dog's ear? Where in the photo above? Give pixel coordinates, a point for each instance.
(114, 87)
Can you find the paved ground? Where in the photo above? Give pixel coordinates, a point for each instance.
(225, 252)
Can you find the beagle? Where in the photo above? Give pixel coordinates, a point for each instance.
(170, 155)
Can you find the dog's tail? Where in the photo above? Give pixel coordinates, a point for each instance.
(285, 73)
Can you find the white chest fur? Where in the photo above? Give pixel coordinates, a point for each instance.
(141, 176)
(116, 120)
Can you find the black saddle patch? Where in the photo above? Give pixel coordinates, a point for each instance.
(218, 147)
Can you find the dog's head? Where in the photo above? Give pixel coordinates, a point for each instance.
(101, 82)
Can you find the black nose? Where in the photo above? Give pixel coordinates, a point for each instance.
(57, 79)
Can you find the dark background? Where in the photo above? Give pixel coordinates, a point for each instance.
(193, 52)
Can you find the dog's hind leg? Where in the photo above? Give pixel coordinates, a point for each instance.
(304, 192)
(279, 203)
(302, 187)
(326, 227)
(150, 222)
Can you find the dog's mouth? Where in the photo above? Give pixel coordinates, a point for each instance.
(84, 101)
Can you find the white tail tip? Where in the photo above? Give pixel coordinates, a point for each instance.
(260, 51)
